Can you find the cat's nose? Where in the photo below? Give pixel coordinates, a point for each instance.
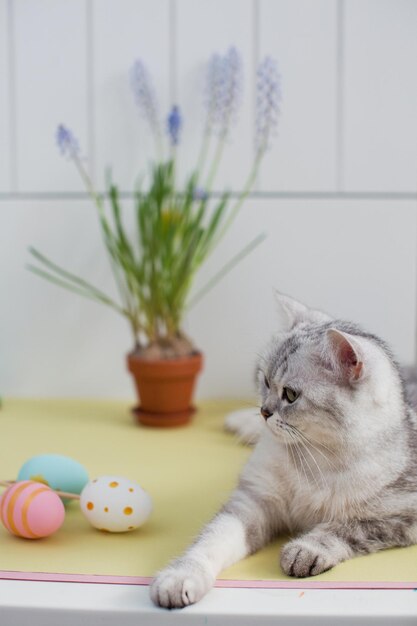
(265, 412)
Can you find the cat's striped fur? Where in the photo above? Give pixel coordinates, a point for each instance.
(336, 467)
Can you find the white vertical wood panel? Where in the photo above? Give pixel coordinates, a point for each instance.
(51, 88)
(54, 342)
(301, 35)
(205, 27)
(123, 32)
(5, 136)
(315, 252)
(380, 95)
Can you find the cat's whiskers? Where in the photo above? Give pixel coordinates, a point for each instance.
(322, 454)
(309, 442)
(313, 474)
(300, 455)
(324, 481)
(294, 461)
(287, 457)
(323, 445)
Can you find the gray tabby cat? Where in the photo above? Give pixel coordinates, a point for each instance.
(335, 463)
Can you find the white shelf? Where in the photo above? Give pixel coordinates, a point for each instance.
(67, 604)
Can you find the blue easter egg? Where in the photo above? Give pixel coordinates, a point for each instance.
(59, 472)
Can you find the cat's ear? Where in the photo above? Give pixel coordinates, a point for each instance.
(293, 312)
(346, 356)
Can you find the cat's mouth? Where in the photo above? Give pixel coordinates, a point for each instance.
(280, 428)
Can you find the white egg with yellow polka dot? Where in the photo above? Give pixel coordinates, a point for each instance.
(115, 504)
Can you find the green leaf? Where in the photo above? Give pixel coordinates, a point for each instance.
(213, 226)
(64, 274)
(86, 293)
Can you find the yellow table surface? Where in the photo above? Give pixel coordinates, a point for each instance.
(188, 472)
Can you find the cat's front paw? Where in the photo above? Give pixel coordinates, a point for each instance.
(300, 559)
(182, 583)
(247, 424)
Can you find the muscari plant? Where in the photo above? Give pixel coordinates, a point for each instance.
(177, 227)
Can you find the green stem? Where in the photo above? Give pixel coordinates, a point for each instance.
(159, 147)
(99, 203)
(240, 199)
(204, 150)
(88, 184)
(174, 170)
(215, 163)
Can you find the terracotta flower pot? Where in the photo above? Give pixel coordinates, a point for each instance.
(165, 389)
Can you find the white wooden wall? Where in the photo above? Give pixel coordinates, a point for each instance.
(337, 195)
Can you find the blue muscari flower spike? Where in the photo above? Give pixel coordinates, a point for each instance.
(67, 142)
(232, 91)
(214, 88)
(144, 93)
(174, 125)
(223, 91)
(268, 100)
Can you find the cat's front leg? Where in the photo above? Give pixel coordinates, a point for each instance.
(331, 543)
(243, 525)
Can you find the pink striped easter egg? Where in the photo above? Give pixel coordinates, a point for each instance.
(31, 510)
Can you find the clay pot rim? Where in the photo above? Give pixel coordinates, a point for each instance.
(162, 368)
(194, 356)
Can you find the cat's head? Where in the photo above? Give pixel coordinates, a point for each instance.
(327, 378)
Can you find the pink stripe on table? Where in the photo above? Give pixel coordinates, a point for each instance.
(247, 584)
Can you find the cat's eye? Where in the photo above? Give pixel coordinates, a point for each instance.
(289, 394)
(266, 382)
